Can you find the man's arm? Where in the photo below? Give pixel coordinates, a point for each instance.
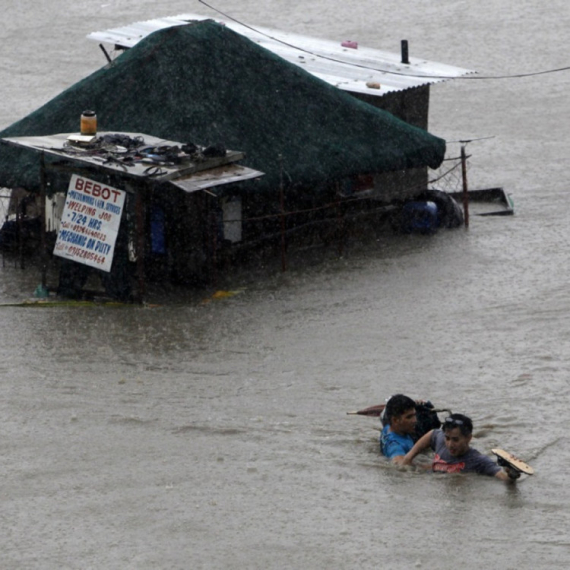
(508, 475)
(394, 451)
(398, 459)
(419, 446)
(487, 466)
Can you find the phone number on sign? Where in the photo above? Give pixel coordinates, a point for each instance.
(89, 255)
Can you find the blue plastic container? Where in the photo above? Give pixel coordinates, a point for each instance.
(419, 217)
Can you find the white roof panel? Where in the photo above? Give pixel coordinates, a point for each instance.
(227, 174)
(358, 70)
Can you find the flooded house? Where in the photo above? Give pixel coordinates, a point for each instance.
(315, 152)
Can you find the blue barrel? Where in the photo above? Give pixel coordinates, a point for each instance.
(420, 217)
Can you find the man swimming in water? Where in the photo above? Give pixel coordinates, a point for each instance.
(453, 453)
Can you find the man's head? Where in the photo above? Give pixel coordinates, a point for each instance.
(400, 414)
(458, 431)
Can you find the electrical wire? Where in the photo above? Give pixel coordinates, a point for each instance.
(388, 72)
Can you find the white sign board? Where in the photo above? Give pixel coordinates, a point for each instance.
(90, 223)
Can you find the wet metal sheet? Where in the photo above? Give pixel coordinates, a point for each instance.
(227, 174)
(209, 172)
(361, 70)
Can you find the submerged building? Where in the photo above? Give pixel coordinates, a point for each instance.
(320, 149)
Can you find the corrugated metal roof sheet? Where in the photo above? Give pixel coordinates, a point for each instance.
(361, 70)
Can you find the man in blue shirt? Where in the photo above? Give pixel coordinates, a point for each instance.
(399, 421)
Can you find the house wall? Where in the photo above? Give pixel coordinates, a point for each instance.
(412, 106)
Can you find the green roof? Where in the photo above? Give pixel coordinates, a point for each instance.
(206, 84)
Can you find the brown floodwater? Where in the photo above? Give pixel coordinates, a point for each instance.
(211, 435)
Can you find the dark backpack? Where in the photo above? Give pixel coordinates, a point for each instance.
(426, 419)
